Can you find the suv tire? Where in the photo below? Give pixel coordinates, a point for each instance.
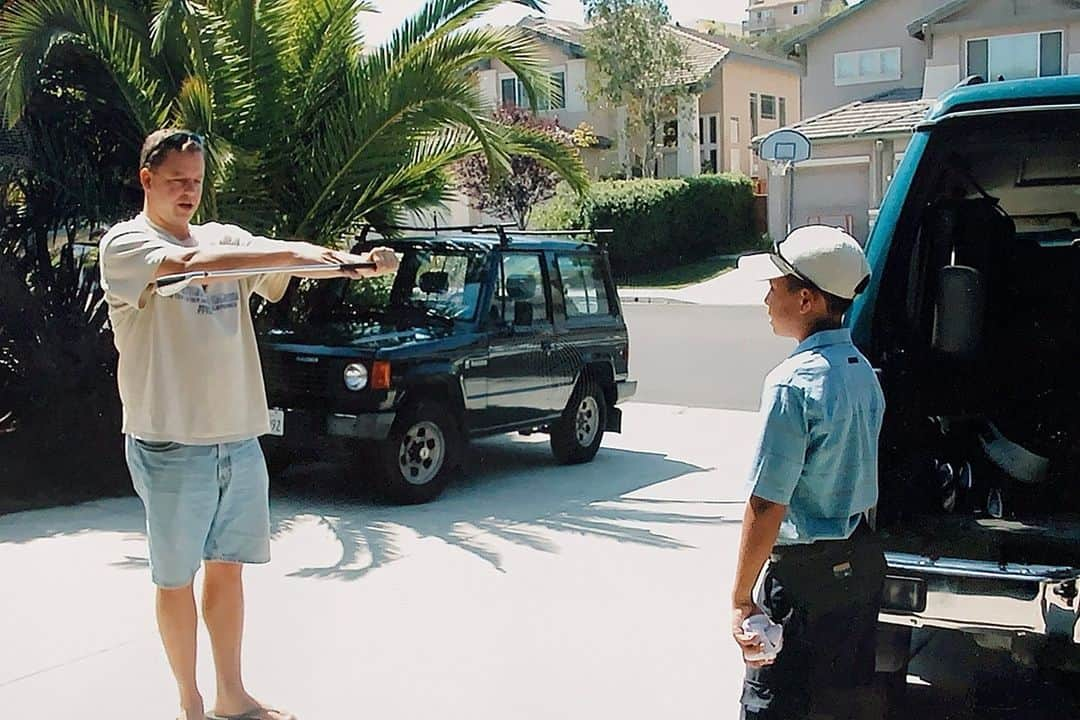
(576, 436)
(277, 460)
(420, 455)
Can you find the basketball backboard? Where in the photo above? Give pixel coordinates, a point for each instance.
(786, 146)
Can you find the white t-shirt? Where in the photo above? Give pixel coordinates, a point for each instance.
(189, 367)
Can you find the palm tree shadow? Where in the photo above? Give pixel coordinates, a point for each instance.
(513, 493)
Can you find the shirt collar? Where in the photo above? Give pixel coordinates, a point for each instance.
(823, 338)
(162, 231)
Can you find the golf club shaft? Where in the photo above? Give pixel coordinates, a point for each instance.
(167, 280)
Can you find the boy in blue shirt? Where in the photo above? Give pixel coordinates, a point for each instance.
(813, 482)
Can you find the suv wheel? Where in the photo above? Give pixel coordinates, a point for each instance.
(576, 436)
(421, 453)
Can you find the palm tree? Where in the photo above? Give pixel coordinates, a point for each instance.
(309, 130)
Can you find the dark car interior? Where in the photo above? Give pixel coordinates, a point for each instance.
(979, 318)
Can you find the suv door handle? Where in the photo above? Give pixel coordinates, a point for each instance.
(547, 346)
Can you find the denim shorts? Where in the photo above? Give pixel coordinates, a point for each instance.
(203, 502)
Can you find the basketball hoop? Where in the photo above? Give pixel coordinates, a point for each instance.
(782, 149)
(779, 168)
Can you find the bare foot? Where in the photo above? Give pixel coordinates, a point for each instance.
(192, 712)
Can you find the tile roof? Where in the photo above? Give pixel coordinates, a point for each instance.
(736, 47)
(895, 111)
(571, 33)
(702, 56)
(703, 52)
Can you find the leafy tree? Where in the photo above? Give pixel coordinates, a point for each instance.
(641, 66)
(309, 130)
(512, 195)
(63, 172)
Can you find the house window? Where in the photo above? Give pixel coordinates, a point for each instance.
(512, 92)
(753, 115)
(866, 66)
(768, 107)
(783, 112)
(508, 92)
(558, 92)
(709, 135)
(797, 10)
(671, 134)
(1010, 57)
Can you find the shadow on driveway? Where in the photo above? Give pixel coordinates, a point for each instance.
(512, 491)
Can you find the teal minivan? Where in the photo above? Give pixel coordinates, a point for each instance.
(972, 319)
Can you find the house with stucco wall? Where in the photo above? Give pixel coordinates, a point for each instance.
(871, 72)
(734, 93)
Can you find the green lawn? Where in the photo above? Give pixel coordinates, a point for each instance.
(677, 277)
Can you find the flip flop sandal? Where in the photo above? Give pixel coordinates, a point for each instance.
(254, 714)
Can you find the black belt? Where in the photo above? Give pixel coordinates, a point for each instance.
(819, 548)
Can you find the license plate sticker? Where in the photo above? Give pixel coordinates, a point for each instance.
(277, 421)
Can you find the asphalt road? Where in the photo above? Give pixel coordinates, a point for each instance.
(708, 356)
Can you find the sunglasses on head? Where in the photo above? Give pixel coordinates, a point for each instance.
(173, 141)
(788, 268)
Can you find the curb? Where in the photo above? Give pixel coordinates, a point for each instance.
(651, 300)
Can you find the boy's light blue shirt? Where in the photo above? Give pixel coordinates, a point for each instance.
(818, 453)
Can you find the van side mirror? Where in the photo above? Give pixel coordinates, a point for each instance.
(523, 313)
(959, 312)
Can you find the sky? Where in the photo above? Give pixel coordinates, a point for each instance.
(377, 27)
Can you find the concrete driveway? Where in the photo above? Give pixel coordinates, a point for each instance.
(528, 591)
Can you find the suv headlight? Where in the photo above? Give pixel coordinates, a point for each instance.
(356, 376)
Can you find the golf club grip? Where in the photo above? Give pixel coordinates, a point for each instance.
(167, 280)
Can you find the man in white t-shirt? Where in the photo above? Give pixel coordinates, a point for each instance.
(194, 405)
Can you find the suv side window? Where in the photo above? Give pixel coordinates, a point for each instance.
(522, 280)
(583, 286)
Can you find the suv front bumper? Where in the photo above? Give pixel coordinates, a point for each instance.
(982, 597)
(303, 427)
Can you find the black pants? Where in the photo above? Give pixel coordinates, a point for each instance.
(827, 596)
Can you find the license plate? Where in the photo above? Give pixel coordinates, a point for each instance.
(277, 421)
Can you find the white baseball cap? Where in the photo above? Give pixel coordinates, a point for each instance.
(826, 257)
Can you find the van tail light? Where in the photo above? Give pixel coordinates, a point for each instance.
(380, 375)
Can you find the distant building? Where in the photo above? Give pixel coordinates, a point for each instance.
(765, 16)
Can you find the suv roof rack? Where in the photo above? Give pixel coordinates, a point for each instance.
(499, 229)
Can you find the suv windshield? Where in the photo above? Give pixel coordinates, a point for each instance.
(438, 283)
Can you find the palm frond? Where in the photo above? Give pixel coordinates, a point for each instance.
(33, 28)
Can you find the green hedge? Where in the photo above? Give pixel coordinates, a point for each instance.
(660, 223)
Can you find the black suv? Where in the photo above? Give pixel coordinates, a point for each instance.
(483, 331)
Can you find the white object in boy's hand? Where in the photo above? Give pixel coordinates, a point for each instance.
(768, 633)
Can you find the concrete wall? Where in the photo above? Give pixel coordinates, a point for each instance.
(881, 24)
